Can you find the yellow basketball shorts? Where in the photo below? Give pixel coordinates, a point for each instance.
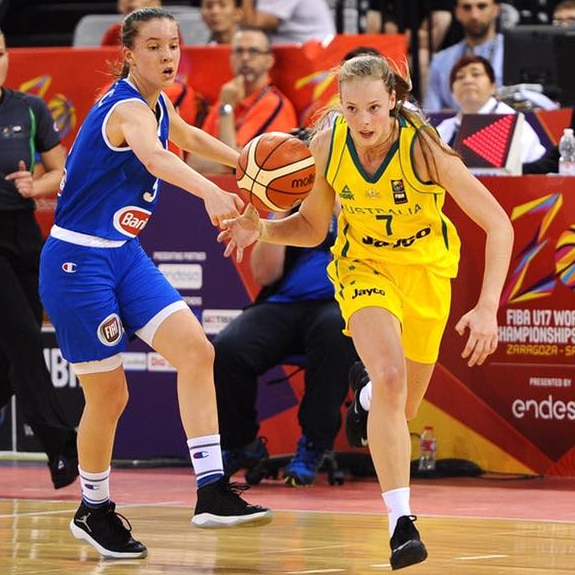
(419, 298)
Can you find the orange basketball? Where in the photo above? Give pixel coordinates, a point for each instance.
(276, 170)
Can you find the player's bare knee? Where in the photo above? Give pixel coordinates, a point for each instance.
(390, 378)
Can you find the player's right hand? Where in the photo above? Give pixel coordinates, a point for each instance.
(241, 232)
(222, 206)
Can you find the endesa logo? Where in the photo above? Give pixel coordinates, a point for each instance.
(550, 408)
(131, 220)
(110, 331)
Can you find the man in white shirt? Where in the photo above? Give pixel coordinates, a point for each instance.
(291, 21)
(479, 21)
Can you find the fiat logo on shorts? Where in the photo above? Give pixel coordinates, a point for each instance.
(110, 331)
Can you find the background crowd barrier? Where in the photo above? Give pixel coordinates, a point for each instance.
(515, 414)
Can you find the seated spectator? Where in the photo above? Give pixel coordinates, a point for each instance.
(222, 17)
(472, 82)
(291, 21)
(549, 163)
(111, 36)
(294, 313)
(478, 19)
(249, 105)
(564, 14)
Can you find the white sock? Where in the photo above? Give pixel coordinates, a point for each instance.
(206, 455)
(397, 503)
(95, 487)
(365, 396)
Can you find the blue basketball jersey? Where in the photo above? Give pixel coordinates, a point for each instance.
(106, 191)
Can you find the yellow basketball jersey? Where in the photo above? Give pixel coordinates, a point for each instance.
(390, 216)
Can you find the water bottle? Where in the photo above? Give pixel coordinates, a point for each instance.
(427, 449)
(567, 153)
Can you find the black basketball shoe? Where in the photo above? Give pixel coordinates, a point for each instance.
(107, 531)
(406, 546)
(219, 505)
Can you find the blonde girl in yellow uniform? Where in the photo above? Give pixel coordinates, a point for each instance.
(394, 258)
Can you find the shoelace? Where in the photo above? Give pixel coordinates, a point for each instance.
(120, 524)
(237, 488)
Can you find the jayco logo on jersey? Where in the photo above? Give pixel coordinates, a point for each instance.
(398, 243)
(69, 267)
(131, 220)
(367, 292)
(110, 331)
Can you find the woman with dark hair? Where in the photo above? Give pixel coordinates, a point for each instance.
(472, 81)
(100, 288)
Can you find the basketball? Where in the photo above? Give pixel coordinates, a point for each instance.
(276, 170)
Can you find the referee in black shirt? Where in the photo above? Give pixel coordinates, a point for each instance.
(27, 129)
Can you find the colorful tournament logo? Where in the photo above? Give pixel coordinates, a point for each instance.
(62, 109)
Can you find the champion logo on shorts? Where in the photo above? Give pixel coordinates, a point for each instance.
(69, 267)
(110, 331)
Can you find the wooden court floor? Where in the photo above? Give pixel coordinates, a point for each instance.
(470, 527)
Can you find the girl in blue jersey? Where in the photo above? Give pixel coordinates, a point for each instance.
(394, 258)
(100, 288)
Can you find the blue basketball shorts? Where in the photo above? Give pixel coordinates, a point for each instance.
(97, 298)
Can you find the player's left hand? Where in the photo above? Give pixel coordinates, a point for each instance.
(482, 340)
(240, 232)
(23, 180)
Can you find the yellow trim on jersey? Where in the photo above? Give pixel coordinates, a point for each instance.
(391, 215)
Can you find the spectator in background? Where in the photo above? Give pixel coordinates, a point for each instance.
(479, 21)
(564, 14)
(249, 104)
(472, 82)
(291, 21)
(295, 313)
(112, 36)
(222, 17)
(28, 129)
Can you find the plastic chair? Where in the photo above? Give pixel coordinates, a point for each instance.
(90, 29)
(192, 27)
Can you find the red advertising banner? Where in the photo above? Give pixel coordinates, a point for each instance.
(69, 79)
(523, 398)
(517, 412)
